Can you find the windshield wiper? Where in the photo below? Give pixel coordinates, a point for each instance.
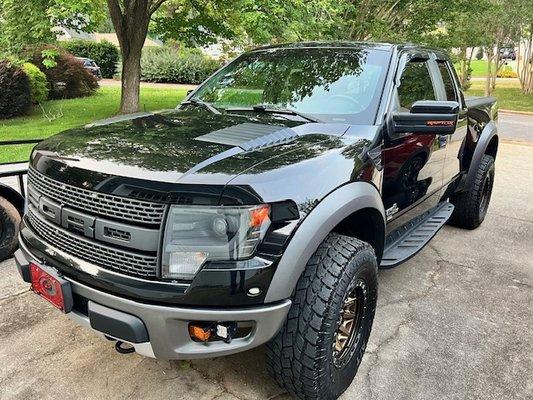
(273, 110)
(205, 104)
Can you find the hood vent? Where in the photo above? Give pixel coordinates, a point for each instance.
(249, 136)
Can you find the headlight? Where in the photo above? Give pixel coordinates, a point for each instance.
(196, 234)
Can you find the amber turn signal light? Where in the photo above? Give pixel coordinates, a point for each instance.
(259, 215)
(199, 333)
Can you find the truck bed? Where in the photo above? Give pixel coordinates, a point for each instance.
(482, 108)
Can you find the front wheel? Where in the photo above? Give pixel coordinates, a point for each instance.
(9, 228)
(471, 206)
(319, 348)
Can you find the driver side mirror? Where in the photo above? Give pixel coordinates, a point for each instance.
(430, 117)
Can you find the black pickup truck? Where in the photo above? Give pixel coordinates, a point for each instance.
(260, 210)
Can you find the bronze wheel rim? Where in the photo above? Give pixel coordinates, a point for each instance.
(348, 332)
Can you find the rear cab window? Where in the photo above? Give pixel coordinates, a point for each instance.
(415, 84)
(449, 87)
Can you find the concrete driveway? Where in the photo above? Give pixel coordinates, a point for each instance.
(516, 127)
(455, 322)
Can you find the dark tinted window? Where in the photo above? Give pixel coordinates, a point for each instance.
(333, 84)
(448, 82)
(415, 84)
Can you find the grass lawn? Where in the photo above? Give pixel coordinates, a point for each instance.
(479, 68)
(509, 95)
(76, 112)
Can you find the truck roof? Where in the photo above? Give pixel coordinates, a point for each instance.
(350, 44)
(328, 44)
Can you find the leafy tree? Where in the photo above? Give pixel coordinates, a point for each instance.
(465, 30)
(31, 22)
(14, 35)
(386, 20)
(503, 21)
(256, 22)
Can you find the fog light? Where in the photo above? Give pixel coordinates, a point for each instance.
(183, 265)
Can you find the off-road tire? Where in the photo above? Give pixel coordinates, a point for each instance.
(9, 228)
(301, 356)
(471, 206)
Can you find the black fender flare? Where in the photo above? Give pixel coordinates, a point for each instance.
(489, 132)
(13, 197)
(335, 207)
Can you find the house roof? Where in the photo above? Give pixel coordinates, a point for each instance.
(65, 34)
(112, 37)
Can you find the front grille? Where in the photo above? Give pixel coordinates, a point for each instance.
(104, 256)
(117, 207)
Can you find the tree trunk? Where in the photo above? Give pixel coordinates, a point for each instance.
(131, 19)
(488, 84)
(131, 79)
(464, 69)
(497, 66)
(525, 63)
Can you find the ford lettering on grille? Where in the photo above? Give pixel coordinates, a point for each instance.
(100, 234)
(97, 228)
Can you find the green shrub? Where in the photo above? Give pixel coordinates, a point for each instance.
(15, 93)
(104, 53)
(162, 64)
(38, 83)
(65, 74)
(479, 54)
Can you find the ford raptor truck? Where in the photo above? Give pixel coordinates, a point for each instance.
(260, 210)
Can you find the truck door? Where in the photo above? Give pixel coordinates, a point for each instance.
(451, 92)
(413, 163)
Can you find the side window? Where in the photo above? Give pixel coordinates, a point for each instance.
(415, 84)
(448, 81)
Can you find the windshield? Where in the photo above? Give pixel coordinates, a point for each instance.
(332, 84)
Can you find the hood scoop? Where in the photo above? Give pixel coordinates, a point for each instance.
(249, 136)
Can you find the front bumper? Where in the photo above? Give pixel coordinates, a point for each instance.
(166, 327)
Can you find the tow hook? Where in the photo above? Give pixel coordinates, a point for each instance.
(120, 346)
(124, 348)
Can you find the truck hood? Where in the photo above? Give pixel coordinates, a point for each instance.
(177, 146)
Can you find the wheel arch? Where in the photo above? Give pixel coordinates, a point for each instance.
(354, 203)
(492, 146)
(367, 225)
(486, 144)
(13, 197)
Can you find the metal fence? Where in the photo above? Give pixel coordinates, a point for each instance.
(17, 169)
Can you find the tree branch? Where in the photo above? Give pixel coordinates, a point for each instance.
(118, 19)
(155, 5)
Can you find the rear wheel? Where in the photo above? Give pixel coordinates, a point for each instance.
(9, 228)
(319, 348)
(471, 206)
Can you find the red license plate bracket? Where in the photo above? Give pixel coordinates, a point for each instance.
(50, 286)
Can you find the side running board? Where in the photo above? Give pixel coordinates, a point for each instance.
(407, 240)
